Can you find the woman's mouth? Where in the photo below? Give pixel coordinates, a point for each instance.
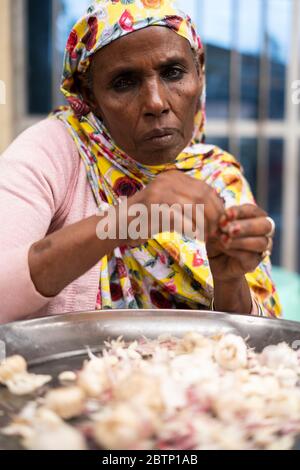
(160, 137)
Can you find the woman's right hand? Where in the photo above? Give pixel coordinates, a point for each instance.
(175, 187)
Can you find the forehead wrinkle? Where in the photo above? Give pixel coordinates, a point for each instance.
(132, 50)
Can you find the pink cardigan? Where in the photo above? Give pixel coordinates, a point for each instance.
(43, 187)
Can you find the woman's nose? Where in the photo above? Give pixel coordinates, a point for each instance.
(154, 99)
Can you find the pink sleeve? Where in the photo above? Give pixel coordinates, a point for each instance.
(36, 172)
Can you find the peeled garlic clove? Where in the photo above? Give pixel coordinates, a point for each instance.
(231, 352)
(67, 376)
(66, 402)
(12, 366)
(25, 384)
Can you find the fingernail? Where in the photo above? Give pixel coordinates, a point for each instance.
(235, 230)
(231, 214)
(225, 239)
(224, 221)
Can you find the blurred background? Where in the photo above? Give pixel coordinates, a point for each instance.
(253, 59)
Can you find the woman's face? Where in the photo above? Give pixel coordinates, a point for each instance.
(147, 89)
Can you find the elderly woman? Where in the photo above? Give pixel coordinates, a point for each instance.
(134, 78)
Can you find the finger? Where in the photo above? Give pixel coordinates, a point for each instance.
(248, 261)
(193, 218)
(187, 191)
(253, 244)
(258, 227)
(199, 193)
(214, 209)
(190, 225)
(246, 211)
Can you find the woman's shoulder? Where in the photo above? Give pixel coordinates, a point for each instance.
(49, 136)
(46, 148)
(43, 160)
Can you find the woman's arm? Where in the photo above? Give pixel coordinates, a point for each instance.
(233, 296)
(37, 172)
(66, 255)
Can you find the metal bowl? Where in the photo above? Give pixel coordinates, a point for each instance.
(55, 344)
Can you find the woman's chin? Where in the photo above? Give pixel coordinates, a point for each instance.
(160, 153)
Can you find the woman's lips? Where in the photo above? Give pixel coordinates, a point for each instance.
(160, 137)
(162, 140)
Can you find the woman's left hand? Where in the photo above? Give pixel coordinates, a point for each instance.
(244, 240)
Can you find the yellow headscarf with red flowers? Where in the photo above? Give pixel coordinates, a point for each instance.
(163, 273)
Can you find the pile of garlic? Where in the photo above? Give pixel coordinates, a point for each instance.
(169, 394)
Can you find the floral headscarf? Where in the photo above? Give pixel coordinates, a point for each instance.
(108, 20)
(172, 273)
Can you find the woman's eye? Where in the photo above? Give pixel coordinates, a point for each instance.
(123, 84)
(173, 74)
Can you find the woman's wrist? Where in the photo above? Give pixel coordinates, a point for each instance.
(232, 296)
(257, 310)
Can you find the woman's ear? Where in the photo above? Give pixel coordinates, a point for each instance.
(199, 60)
(86, 90)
